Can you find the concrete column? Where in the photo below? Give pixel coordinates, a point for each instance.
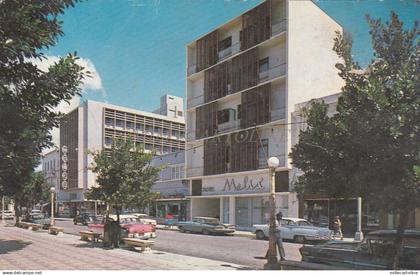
(221, 214)
(359, 234)
(191, 208)
(232, 219)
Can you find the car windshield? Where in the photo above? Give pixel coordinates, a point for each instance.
(129, 220)
(304, 223)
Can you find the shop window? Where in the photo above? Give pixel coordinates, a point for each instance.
(282, 181)
(196, 188)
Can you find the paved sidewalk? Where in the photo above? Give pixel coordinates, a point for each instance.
(23, 249)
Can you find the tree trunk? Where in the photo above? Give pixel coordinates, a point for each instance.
(398, 243)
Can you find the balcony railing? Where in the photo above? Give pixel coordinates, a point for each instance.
(279, 27)
(194, 101)
(228, 126)
(192, 69)
(277, 114)
(273, 72)
(235, 48)
(195, 171)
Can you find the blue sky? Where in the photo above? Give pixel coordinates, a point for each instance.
(137, 47)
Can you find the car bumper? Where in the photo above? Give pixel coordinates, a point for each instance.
(143, 236)
(318, 238)
(223, 231)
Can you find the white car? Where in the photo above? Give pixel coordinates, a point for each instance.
(299, 230)
(8, 215)
(144, 218)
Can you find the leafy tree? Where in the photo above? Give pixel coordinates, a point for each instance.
(371, 146)
(28, 96)
(124, 176)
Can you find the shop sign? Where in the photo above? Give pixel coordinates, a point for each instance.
(248, 184)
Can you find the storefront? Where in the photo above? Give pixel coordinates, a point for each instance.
(178, 208)
(241, 199)
(321, 211)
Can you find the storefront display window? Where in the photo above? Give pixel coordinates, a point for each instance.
(250, 211)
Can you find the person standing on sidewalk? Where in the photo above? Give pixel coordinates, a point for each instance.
(279, 240)
(337, 228)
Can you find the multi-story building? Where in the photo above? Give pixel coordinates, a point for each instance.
(243, 80)
(92, 126)
(171, 106)
(50, 163)
(171, 186)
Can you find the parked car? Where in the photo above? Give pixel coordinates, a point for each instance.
(146, 219)
(38, 218)
(8, 214)
(205, 225)
(374, 252)
(299, 230)
(84, 218)
(131, 227)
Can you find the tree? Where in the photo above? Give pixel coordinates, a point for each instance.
(124, 176)
(371, 146)
(28, 96)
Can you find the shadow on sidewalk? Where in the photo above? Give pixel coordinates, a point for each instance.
(7, 246)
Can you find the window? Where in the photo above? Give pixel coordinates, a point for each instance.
(108, 141)
(130, 125)
(225, 43)
(157, 130)
(196, 187)
(174, 149)
(182, 134)
(109, 121)
(179, 113)
(226, 115)
(165, 132)
(119, 123)
(174, 133)
(166, 149)
(148, 129)
(239, 109)
(263, 150)
(303, 223)
(148, 146)
(263, 65)
(139, 127)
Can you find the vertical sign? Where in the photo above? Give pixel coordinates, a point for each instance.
(64, 167)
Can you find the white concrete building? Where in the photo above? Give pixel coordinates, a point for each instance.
(92, 126)
(171, 106)
(50, 163)
(243, 81)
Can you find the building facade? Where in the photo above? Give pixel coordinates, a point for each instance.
(50, 163)
(172, 186)
(243, 80)
(92, 126)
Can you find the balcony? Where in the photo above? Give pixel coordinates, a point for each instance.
(234, 49)
(273, 72)
(228, 126)
(192, 69)
(195, 171)
(279, 27)
(195, 101)
(277, 114)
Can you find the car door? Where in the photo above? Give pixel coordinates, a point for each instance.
(286, 229)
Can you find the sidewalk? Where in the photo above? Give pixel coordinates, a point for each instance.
(23, 249)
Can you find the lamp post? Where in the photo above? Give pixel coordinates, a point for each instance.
(52, 190)
(273, 163)
(2, 209)
(359, 234)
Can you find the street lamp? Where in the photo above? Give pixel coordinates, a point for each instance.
(52, 190)
(273, 163)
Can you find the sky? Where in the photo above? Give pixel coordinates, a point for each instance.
(135, 49)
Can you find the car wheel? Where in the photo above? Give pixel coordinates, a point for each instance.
(260, 235)
(299, 239)
(182, 229)
(206, 232)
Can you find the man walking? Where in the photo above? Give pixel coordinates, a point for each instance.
(337, 228)
(279, 240)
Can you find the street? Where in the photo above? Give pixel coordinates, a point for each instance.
(238, 250)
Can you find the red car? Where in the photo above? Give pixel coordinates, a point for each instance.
(131, 227)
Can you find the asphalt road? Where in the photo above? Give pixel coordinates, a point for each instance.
(237, 250)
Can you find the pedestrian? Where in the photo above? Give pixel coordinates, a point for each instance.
(169, 220)
(279, 239)
(337, 228)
